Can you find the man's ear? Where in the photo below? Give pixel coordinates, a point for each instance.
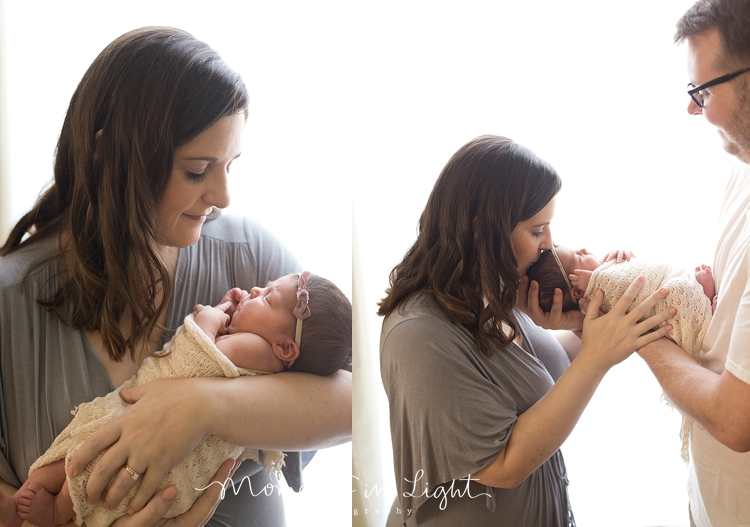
(576, 293)
(286, 351)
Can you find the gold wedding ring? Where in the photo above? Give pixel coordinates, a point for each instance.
(133, 473)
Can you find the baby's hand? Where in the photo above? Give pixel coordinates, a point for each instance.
(580, 278)
(233, 296)
(620, 255)
(212, 320)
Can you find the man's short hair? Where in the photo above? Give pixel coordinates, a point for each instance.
(731, 18)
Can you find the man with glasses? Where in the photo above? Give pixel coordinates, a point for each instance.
(716, 391)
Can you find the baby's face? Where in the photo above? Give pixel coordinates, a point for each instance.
(267, 311)
(580, 259)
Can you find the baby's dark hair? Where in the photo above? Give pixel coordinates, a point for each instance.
(549, 276)
(326, 342)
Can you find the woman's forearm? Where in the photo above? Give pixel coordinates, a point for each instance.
(540, 430)
(607, 340)
(286, 411)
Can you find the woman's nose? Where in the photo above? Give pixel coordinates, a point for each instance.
(217, 193)
(546, 244)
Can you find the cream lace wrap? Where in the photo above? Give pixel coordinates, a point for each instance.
(693, 316)
(190, 353)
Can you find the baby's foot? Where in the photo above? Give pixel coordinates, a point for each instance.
(705, 278)
(8, 515)
(37, 506)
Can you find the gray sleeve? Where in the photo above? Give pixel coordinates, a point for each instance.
(6, 472)
(448, 419)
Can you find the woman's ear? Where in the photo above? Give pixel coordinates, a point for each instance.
(286, 351)
(576, 293)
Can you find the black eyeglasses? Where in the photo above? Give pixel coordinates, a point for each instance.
(695, 91)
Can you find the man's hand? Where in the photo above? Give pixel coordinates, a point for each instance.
(619, 255)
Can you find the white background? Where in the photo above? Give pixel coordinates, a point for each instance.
(370, 100)
(292, 177)
(598, 90)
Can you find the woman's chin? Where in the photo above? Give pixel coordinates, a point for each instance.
(180, 240)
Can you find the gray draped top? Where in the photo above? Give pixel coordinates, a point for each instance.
(47, 368)
(452, 411)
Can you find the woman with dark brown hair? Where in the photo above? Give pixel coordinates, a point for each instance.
(111, 258)
(480, 398)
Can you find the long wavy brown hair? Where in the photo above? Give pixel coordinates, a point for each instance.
(463, 255)
(149, 92)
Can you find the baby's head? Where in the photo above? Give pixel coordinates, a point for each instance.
(324, 344)
(552, 273)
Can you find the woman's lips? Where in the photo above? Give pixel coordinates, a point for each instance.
(194, 217)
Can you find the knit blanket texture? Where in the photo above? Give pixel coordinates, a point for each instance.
(693, 316)
(190, 353)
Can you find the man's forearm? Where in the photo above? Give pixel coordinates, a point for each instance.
(720, 403)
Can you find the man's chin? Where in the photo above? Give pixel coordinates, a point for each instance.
(738, 152)
(734, 148)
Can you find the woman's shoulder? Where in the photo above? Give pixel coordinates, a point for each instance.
(419, 310)
(36, 259)
(419, 323)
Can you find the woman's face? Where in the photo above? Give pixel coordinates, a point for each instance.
(198, 181)
(532, 236)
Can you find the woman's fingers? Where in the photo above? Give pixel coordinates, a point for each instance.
(133, 394)
(121, 485)
(555, 314)
(92, 447)
(522, 294)
(527, 301)
(644, 307)
(613, 337)
(592, 309)
(648, 338)
(152, 514)
(644, 327)
(629, 295)
(150, 481)
(204, 507)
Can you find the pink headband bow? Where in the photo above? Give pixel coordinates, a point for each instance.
(301, 310)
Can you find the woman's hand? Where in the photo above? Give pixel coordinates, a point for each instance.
(528, 301)
(610, 338)
(152, 515)
(166, 422)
